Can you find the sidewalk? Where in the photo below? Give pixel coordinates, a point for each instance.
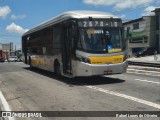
(145, 61)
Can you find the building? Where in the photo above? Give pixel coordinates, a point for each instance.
(8, 49)
(145, 32)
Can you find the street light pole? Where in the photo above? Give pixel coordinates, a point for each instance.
(10, 49)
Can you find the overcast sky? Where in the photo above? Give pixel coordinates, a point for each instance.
(18, 16)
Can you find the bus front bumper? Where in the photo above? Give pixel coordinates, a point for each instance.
(85, 69)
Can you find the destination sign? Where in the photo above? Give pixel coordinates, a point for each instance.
(100, 23)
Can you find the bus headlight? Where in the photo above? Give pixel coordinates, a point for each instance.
(84, 59)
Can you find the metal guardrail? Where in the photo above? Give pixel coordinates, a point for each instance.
(144, 64)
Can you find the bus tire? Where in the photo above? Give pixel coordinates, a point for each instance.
(57, 68)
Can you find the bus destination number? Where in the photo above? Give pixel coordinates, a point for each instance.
(98, 24)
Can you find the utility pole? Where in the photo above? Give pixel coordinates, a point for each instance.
(15, 50)
(10, 49)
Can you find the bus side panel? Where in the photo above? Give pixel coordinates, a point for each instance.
(44, 48)
(44, 62)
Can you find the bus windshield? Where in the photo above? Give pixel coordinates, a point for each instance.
(101, 39)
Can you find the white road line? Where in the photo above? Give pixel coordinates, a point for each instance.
(143, 71)
(5, 105)
(147, 81)
(125, 96)
(142, 67)
(150, 74)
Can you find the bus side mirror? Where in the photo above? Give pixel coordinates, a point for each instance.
(74, 40)
(74, 23)
(74, 31)
(74, 34)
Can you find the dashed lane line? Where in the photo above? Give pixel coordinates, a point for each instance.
(144, 68)
(148, 81)
(125, 96)
(143, 71)
(150, 74)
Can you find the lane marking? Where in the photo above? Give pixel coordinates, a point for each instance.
(125, 96)
(143, 71)
(148, 81)
(143, 67)
(155, 75)
(5, 105)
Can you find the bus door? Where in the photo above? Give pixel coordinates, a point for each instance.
(66, 50)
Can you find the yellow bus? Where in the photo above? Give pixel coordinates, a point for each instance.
(77, 43)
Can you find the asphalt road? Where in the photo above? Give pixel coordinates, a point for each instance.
(28, 89)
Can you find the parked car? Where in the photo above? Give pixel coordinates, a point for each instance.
(12, 59)
(145, 52)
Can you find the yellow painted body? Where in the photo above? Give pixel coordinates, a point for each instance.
(106, 59)
(38, 62)
(114, 50)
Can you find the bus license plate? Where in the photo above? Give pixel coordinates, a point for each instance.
(108, 72)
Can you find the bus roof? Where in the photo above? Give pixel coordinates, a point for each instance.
(70, 14)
